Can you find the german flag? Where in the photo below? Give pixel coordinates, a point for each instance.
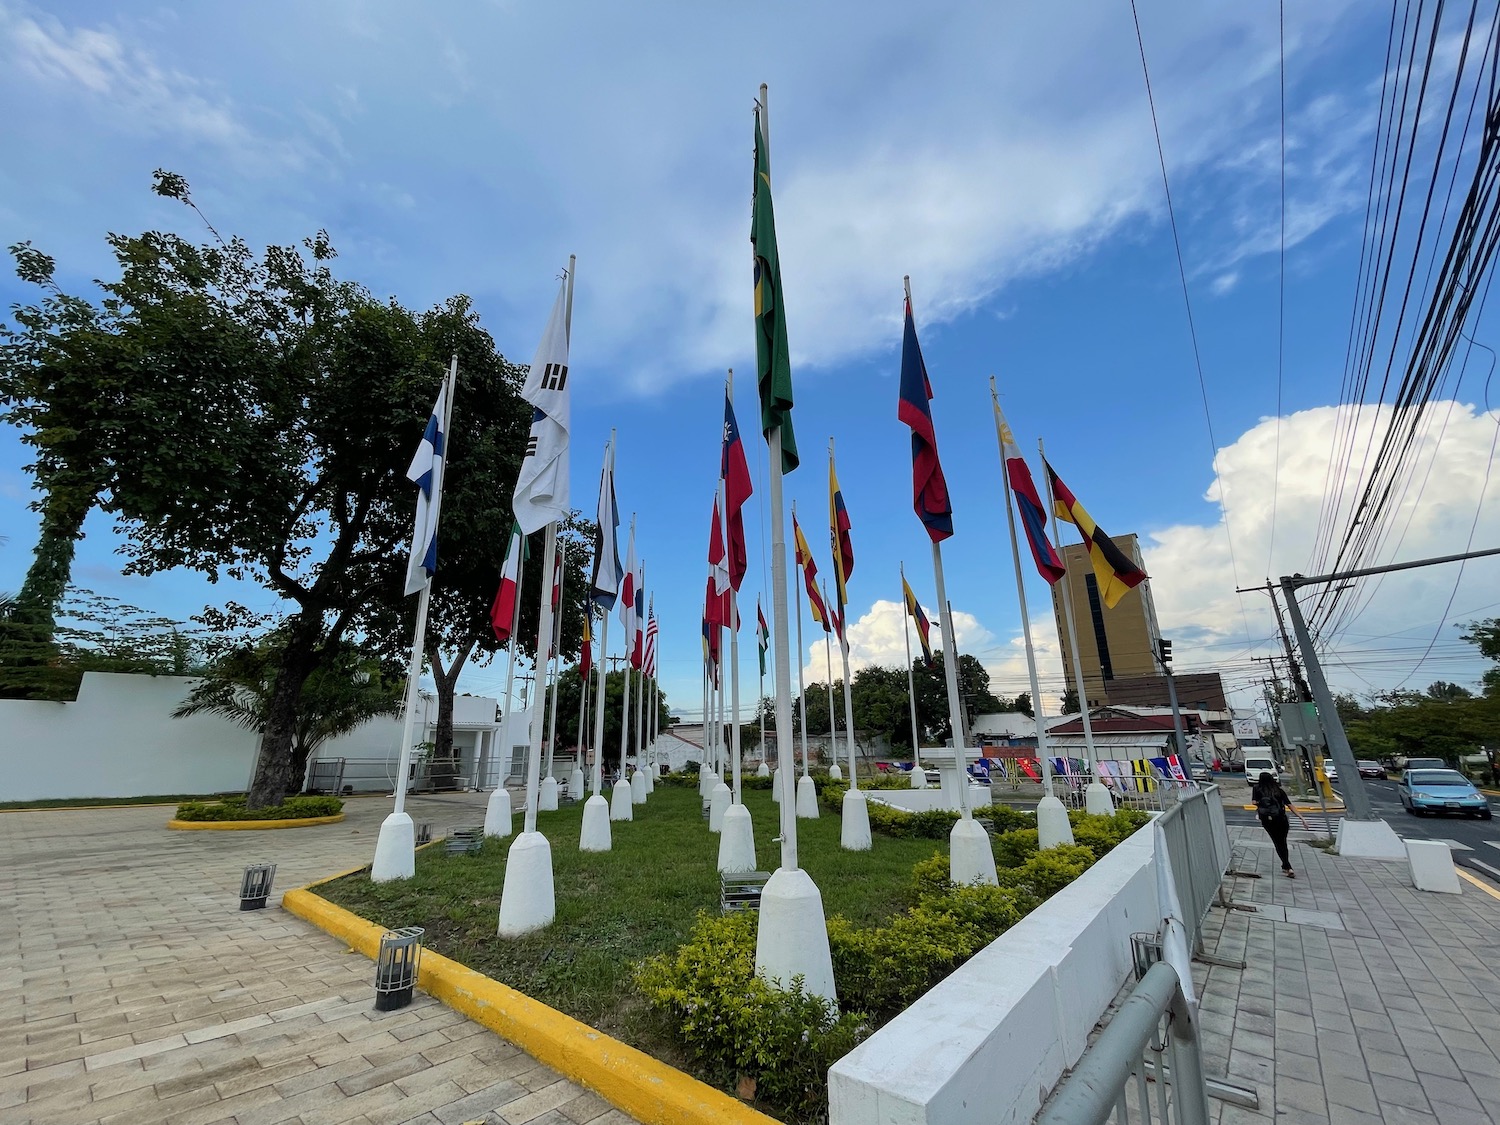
(1116, 572)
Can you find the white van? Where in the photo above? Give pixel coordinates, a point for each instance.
(1257, 763)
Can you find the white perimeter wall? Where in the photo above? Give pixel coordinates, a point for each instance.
(986, 1045)
(118, 739)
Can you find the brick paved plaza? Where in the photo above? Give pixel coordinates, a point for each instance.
(132, 989)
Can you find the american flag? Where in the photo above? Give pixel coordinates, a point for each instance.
(651, 639)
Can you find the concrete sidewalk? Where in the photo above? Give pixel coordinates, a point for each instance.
(132, 990)
(1363, 1000)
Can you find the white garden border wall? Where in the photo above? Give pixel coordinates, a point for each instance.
(986, 1045)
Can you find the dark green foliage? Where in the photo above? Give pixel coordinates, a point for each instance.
(234, 808)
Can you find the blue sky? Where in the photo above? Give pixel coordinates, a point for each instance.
(1002, 155)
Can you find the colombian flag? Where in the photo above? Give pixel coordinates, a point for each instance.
(838, 531)
(809, 576)
(924, 628)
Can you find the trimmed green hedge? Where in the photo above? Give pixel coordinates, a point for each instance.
(233, 808)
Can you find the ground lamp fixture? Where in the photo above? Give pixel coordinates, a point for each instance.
(396, 968)
(255, 887)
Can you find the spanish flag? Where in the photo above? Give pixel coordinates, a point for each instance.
(809, 576)
(1116, 572)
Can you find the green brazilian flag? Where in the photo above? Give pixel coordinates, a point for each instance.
(773, 362)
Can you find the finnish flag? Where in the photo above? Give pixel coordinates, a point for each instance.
(542, 488)
(427, 473)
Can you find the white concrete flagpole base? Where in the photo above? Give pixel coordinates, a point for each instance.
(1097, 801)
(527, 900)
(979, 796)
(854, 836)
(763, 770)
(576, 784)
(638, 787)
(718, 803)
(918, 777)
(807, 799)
(395, 849)
(546, 795)
(835, 772)
(620, 802)
(792, 939)
(776, 785)
(706, 780)
(737, 840)
(1369, 839)
(650, 772)
(970, 857)
(497, 813)
(595, 836)
(1052, 824)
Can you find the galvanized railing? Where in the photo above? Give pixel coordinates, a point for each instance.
(1198, 849)
(1146, 1066)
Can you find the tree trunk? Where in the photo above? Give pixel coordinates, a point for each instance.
(445, 767)
(273, 773)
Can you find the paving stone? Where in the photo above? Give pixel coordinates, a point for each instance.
(162, 1004)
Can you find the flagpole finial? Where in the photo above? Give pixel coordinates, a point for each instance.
(906, 284)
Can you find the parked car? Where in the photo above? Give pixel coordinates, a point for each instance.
(1441, 791)
(1425, 764)
(1330, 771)
(1257, 764)
(1368, 768)
(1202, 774)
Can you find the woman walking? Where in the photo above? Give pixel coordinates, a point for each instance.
(1271, 804)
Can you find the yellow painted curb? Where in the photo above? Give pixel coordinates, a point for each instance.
(630, 1080)
(250, 825)
(1478, 882)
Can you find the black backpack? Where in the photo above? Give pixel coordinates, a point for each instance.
(1267, 805)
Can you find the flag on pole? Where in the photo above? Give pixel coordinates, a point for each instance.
(557, 575)
(586, 644)
(503, 612)
(773, 361)
(809, 576)
(638, 618)
(1029, 504)
(929, 487)
(1116, 572)
(650, 659)
(627, 589)
(542, 488)
(735, 473)
(426, 473)
(924, 627)
(718, 562)
(762, 635)
(607, 568)
(838, 533)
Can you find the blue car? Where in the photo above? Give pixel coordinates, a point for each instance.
(1441, 791)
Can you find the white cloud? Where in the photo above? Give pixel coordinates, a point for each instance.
(1194, 579)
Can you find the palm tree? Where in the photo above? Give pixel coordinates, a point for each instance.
(347, 688)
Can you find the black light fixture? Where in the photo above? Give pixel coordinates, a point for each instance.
(255, 887)
(396, 968)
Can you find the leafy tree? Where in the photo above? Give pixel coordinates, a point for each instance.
(1070, 701)
(568, 698)
(882, 705)
(1444, 691)
(932, 694)
(1023, 704)
(242, 414)
(1485, 635)
(347, 688)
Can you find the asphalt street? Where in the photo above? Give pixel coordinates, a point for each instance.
(1475, 843)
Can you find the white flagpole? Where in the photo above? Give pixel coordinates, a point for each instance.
(1092, 796)
(554, 670)
(601, 696)
(395, 852)
(911, 683)
(838, 567)
(510, 662)
(1015, 551)
(801, 687)
(640, 700)
(950, 674)
(833, 727)
(543, 638)
(583, 698)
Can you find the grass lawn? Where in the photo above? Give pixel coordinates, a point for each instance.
(615, 908)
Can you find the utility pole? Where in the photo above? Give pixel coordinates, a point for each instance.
(1304, 693)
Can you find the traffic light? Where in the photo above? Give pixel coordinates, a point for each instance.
(1164, 651)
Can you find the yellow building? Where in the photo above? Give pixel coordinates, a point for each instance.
(1113, 644)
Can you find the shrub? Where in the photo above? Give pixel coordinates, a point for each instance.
(732, 1019)
(233, 808)
(1012, 849)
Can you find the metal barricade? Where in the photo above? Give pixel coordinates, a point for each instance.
(1198, 851)
(1122, 1076)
